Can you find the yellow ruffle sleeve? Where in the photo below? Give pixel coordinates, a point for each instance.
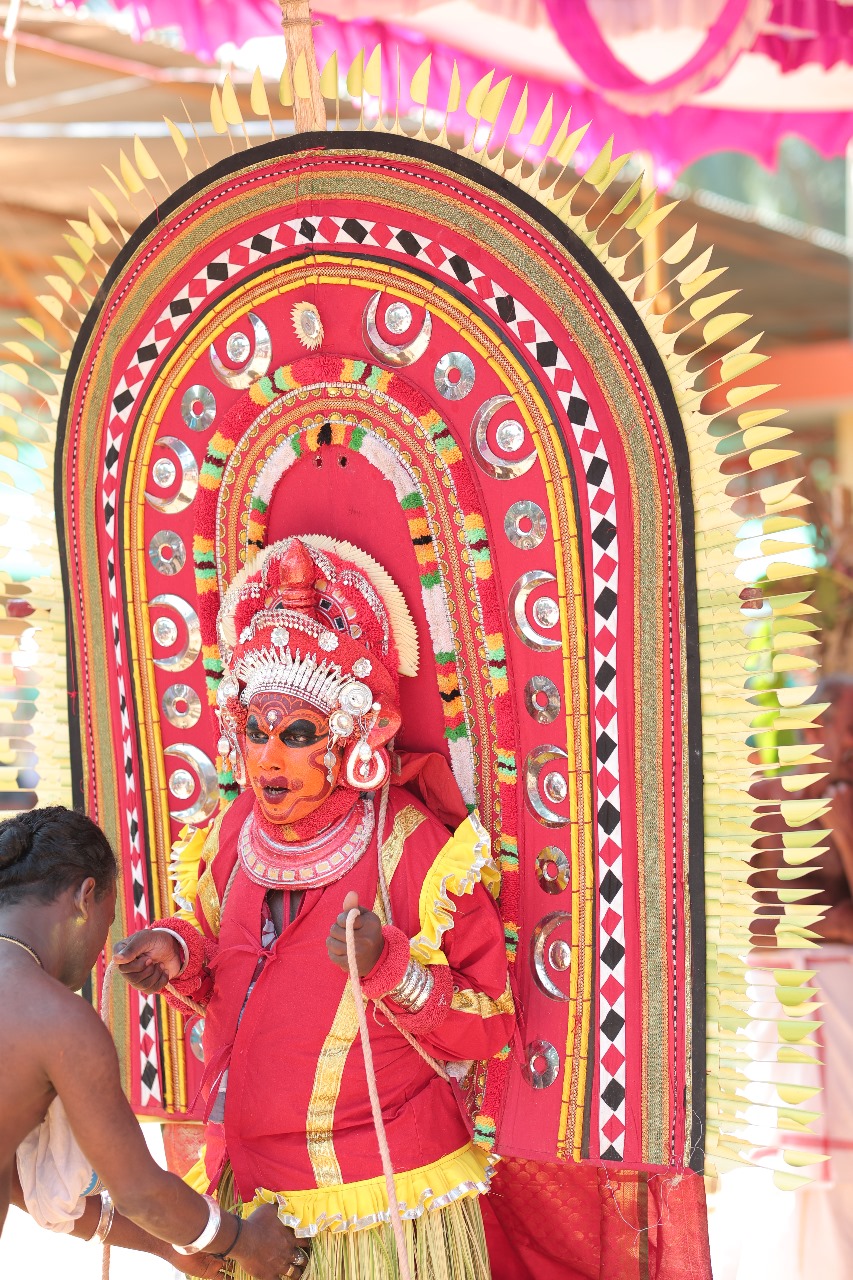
(464, 861)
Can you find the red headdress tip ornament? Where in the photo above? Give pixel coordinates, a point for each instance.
(296, 574)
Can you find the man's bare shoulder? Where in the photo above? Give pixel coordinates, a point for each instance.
(31, 998)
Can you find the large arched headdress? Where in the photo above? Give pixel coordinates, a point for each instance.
(446, 359)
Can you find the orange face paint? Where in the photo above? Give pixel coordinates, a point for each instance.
(283, 746)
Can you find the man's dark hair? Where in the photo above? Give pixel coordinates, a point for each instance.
(46, 851)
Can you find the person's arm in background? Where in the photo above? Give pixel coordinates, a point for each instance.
(125, 1234)
(80, 1062)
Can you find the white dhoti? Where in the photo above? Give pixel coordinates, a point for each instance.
(55, 1175)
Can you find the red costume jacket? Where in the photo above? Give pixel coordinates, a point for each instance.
(297, 1119)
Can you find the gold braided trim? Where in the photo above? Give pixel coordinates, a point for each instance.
(482, 1005)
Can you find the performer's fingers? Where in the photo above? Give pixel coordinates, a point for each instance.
(350, 901)
(135, 967)
(129, 950)
(356, 924)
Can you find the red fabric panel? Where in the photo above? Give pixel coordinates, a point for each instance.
(575, 1222)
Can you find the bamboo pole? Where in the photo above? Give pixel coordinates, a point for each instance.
(308, 113)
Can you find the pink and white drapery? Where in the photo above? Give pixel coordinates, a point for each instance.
(734, 28)
(674, 140)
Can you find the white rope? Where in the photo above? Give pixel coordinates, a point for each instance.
(381, 1136)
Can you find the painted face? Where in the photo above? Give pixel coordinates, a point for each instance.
(283, 749)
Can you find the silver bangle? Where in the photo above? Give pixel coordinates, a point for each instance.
(211, 1230)
(415, 987)
(105, 1222)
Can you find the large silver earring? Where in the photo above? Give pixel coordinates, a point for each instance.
(366, 769)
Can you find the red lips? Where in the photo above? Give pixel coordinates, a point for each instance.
(276, 788)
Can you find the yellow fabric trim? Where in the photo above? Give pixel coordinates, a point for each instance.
(464, 861)
(477, 1003)
(319, 1121)
(324, 1093)
(406, 821)
(195, 845)
(196, 1177)
(354, 1206)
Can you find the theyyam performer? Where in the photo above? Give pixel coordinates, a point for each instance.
(400, 577)
(311, 636)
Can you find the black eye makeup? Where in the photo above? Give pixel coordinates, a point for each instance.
(255, 732)
(302, 733)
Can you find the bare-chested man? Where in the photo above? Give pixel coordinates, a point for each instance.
(57, 902)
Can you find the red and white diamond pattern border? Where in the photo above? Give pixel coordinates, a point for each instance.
(533, 336)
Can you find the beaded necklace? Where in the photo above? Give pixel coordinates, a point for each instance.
(16, 942)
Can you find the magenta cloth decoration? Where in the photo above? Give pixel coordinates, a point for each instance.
(821, 32)
(734, 30)
(674, 141)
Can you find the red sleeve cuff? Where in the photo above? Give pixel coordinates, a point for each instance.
(390, 968)
(200, 950)
(436, 1008)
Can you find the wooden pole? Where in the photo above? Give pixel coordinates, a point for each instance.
(308, 113)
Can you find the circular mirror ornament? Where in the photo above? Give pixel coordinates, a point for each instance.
(555, 787)
(541, 949)
(167, 552)
(535, 766)
(165, 632)
(237, 348)
(525, 525)
(167, 469)
(560, 956)
(454, 375)
(489, 462)
(207, 799)
(182, 706)
(541, 1064)
(552, 869)
(182, 784)
(542, 699)
(546, 612)
(398, 317)
(519, 597)
(401, 355)
(509, 435)
(198, 408)
(163, 472)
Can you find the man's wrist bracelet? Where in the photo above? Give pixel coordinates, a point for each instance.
(105, 1222)
(211, 1230)
(233, 1245)
(415, 987)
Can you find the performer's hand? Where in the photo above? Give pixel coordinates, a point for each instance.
(203, 1265)
(368, 938)
(267, 1249)
(149, 959)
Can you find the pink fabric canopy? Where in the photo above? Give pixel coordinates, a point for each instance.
(674, 140)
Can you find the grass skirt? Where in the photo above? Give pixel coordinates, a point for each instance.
(443, 1244)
